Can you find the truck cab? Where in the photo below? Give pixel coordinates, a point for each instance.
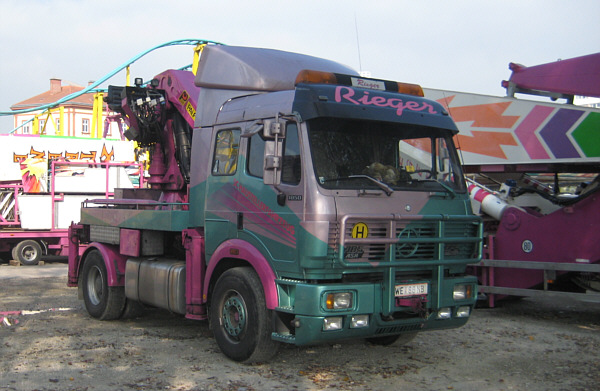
(352, 192)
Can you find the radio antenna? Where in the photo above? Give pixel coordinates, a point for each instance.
(357, 43)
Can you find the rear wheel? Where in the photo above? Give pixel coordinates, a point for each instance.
(239, 317)
(101, 301)
(27, 252)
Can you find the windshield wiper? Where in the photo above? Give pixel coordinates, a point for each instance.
(388, 190)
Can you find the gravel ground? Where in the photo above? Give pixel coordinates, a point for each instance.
(527, 344)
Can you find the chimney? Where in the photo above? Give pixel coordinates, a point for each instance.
(55, 85)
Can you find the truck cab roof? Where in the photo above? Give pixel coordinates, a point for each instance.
(227, 72)
(257, 69)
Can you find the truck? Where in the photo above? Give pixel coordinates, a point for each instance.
(533, 168)
(43, 182)
(284, 206)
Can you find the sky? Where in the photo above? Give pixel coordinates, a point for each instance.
(459, 45)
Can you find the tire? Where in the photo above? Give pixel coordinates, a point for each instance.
(239, 318)
(387, 340)
(27, 252)
(101, 301)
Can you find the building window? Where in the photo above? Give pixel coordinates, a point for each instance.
(42, 122)
(58, 125)
(25, 129)
(85, 126)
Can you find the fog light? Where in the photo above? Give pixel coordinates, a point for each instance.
(444, 313)
(462, 292)
(339, 300)
(359, 321)
(463, 312)
(332, 323)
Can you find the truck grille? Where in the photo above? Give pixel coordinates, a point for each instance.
(400, 240)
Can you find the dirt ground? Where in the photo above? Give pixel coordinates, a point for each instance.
(52, 344)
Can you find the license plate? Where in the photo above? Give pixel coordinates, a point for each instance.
(406, 290)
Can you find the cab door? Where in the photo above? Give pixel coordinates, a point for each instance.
(221, 209)
(273, 212)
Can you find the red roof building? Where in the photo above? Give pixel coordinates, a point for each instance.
(73, 118)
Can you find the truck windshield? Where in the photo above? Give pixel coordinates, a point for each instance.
(351, 154)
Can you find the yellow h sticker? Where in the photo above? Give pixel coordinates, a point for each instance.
(360, 231)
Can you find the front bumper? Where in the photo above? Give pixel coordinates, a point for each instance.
(386, 314)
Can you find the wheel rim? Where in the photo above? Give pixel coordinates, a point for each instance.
(28, 253)
(234, 315)
(95, 285)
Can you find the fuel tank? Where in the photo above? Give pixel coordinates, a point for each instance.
(156, 282)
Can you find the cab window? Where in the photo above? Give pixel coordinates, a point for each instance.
(291, 169)
(227, 145)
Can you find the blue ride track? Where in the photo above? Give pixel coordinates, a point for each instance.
(92, 87)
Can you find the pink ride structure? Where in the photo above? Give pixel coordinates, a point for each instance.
(534, 176)
(41, 191)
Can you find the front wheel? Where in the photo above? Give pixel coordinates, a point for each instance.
(101, 301)
(239, 317)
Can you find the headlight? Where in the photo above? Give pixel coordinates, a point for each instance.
(339, 300)
(463, 312)
(462, 292)
(359, 321)
(444, 313)
(332, 323)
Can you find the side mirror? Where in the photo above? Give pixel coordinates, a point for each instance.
(273, 129)
(443, 156)
(273, 160)
(274, 132)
